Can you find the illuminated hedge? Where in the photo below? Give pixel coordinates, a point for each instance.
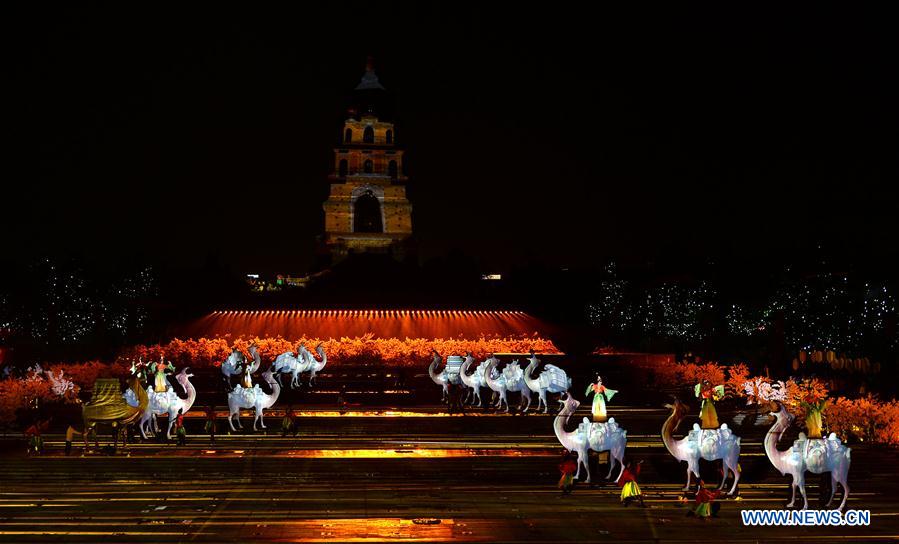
(364, 350)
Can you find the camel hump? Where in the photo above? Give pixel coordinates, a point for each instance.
(738, 440)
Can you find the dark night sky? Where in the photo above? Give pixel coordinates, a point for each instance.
(532, 133)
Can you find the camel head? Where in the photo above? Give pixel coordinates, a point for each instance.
(678, 409)
(268, 376)
(183, 376)
(237, 357)
(569, 403)
(784, 417)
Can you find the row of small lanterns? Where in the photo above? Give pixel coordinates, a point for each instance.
(858, 364)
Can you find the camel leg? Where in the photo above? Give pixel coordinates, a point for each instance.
(689, 474)
(793, 499)
(168, 431)
(735, 468)
(261, 414)
(545, 404)
(833, 489)
(611, 465)
(232, 414)
(845, 483)
(582, 458)
(141, 424)
(621, 465)
(842, 476)
(802, 490)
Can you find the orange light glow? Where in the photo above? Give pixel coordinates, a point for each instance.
(373, 530)
(358, 323)
(405, 453)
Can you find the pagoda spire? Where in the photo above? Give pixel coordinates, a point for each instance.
(369, 79)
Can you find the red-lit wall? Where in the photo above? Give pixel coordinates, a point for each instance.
(351, 323)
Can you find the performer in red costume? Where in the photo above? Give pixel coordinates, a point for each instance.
(567, 467)
(630, 491)
(705, 505)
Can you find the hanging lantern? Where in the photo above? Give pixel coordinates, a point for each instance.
(802, 356)
(795, 363)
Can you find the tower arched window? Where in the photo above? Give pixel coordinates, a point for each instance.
(369, 135)
(343, 168)
(367, 214)
(348, 136)
(389, 136)
(392, 170)
(368, 167)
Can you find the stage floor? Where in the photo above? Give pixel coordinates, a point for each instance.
(415, 477)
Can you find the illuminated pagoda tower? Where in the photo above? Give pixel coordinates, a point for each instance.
(367, 210)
